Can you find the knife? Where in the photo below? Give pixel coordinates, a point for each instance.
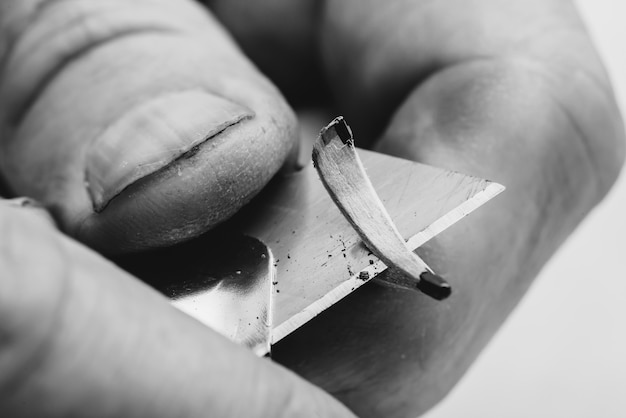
(291, 253)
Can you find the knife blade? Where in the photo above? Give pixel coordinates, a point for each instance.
(316, 257)
(320, 257)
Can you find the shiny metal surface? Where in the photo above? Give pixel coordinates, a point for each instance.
(224, 281)
(319, 255)
(234, 284)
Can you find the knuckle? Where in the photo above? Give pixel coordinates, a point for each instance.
(44, 37)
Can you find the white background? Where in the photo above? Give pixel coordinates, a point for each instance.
(563, 351)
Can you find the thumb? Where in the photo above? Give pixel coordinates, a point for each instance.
(80, 337)
(138, 124)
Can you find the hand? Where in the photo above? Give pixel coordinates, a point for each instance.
(80, 337)
(512, 92)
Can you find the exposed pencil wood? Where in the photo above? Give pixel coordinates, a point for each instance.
(343, 175)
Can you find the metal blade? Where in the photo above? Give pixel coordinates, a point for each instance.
(232, 283)
(318, 254)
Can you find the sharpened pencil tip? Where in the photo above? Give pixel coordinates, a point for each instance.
(434, 286)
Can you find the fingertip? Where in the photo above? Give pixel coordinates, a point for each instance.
(196, 191)
(152, 135)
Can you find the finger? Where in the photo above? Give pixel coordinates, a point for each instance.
(138, 123)
(375, 57)
(286, 52)
(82, 338)
(536, 115)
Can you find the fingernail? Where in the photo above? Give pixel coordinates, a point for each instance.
(152, 136)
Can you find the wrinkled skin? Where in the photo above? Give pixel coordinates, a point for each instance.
(507, 90)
